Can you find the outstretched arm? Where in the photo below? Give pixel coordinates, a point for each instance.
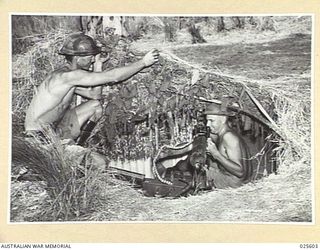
(86, 79)
(232, 161)
(93, 92)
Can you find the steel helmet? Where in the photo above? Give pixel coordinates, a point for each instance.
(215, 109)
(79, 45)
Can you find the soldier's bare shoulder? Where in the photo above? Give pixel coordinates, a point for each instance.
(67, 75)
(231, 137)
(57, 75)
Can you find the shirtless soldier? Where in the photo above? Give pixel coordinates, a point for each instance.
(51, 103)
(229, 164)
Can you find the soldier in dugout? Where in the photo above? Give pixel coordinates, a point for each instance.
(51, 105)
(228, 155)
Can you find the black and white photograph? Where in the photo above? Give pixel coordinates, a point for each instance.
(161, 118)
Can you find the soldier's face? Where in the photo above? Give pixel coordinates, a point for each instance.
(84, 62)
(215, 122)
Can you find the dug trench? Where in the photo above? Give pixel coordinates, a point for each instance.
(175, 173)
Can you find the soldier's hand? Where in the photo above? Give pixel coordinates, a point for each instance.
(212, 148)
(98, 62)
(151, 57)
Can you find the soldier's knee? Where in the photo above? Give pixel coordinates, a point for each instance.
(99, 111)
(94, 103)
(97, 107)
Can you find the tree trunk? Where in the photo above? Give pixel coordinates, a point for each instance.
(239, 22)
(265, 23)
(169, 31)
(221, 25)
(104, 25)
(180, 22)
(195, 33)
(91, 25)
(116, 23)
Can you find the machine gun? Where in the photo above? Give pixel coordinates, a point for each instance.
(187, 172)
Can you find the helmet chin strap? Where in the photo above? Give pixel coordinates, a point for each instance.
(77, 58)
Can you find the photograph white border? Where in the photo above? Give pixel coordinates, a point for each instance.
(313, 222)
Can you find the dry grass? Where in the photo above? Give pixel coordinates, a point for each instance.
(68, 180)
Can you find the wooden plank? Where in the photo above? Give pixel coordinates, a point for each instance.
(136, 167)
(126, 173)
(260, 107)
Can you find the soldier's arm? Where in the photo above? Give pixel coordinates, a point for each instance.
(232, 161)
(86, 79)
(94, 93)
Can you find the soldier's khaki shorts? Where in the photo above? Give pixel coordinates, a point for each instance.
(69, 127)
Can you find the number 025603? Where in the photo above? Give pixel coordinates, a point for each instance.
(309, 246)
